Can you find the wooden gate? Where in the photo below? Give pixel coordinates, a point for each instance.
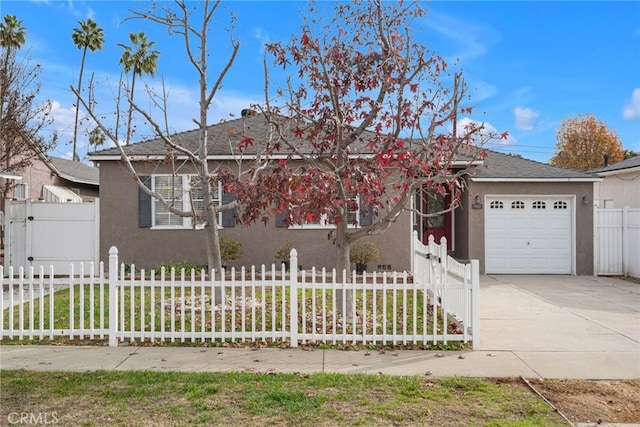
(44, 234)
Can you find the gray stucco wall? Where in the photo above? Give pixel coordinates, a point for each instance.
(474, 218)
(148, 248)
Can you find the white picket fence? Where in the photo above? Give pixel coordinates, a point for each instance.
(254, 305)
(617, 242)
(455, 284)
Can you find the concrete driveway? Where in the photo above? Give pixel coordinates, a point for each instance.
(578, 326)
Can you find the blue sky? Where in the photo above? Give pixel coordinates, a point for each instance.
(529, 65)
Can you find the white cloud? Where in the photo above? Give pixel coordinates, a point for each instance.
(632, 110)
(488, 131)
(63, 124)
(64, 119)
(526, 118)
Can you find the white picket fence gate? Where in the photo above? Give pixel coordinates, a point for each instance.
(455, 284)
(255, 305)
(617, 242)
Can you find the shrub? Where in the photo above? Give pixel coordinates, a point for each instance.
(284, 251)
(230, 249)
(178, 266)
(364, 252)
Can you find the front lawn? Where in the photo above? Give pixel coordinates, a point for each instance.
(153, 399)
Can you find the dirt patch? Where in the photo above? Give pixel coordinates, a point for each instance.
(593, 401)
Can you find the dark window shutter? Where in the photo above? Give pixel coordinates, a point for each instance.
(144, 204)
(228, 217)
(280, 220)
(366, 215)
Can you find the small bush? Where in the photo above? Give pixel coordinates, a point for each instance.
(186, 265)
(230, 249)
(364, 252)
(284, 251)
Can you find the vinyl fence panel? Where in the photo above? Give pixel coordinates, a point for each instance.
(617, 243)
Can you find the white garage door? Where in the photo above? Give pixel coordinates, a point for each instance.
(528, 235)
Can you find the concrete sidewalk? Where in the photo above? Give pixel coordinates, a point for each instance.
(531, 326)
(405, 362)
(591, 365)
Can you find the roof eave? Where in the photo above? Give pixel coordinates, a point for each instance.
(78, 180)
(618, 171)
(10, 176)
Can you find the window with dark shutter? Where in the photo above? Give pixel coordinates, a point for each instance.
(145, 219)
(228, 217)
(366, 215)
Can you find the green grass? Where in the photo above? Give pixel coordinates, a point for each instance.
(150, 398)
(193, 310)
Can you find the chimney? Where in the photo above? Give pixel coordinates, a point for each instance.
(606, 160)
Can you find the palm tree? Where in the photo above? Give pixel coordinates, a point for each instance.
(88, 36)
(11, 32)
(12, 36)
(140, 58)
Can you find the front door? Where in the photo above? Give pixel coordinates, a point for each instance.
(439, 225)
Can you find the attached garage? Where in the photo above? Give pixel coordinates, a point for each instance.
(525, 217)
(529, 235)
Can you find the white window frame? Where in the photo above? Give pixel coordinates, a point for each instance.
(25, 190)
(324, 224)
(187, 222)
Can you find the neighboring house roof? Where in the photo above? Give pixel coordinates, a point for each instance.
(66, 169)
(506, 168)
(75, 171)
(629, 165)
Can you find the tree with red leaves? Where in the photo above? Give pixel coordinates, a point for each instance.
(367, 119)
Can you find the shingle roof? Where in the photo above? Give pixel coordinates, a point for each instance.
(76, 171)
(223, 140)
(631, 162)
(504, 166)
(224, 137)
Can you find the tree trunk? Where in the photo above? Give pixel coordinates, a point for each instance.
(130, 115)
(75, 126)
(214, 261)
(343, 246)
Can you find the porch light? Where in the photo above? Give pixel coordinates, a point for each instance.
(585, 199)
(477, 199)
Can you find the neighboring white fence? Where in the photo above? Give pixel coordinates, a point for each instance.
(617, 242)
(44, 234)
(256, 305)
